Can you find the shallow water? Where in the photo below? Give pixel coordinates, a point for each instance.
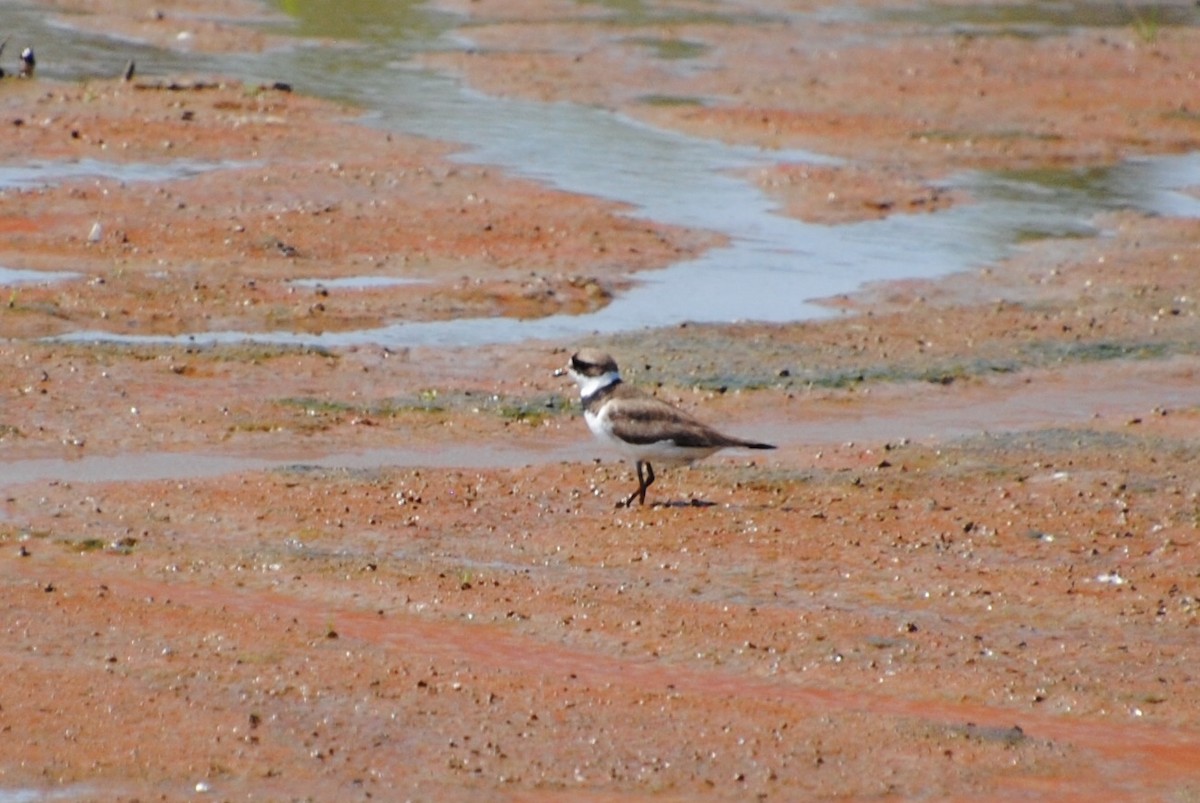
(19, 796)
(40, 173)
(151, 466)
(43, 796)
(356, 282)
(1042, 18)
(778, 270)
(775, 268)
(13, 276)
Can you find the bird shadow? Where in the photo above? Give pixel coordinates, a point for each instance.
(686, 503)
(672, 503)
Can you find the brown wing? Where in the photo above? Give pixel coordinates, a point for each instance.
(647, 420)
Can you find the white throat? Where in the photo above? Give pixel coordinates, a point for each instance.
(590, 384)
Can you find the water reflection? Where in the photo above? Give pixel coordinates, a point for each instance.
(1155, 185)
(379, 21)
(1044, 19)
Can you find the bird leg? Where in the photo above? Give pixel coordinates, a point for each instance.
(644, 482)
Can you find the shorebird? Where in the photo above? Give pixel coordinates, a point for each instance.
(28, 63)
(645, 428)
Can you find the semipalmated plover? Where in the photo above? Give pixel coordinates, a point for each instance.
(28, 63)
(647, 429)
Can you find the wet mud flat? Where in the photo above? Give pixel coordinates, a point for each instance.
(969, 569)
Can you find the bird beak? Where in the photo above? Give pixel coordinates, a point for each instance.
(560, 372)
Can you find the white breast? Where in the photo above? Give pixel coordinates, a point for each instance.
(601, 426)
